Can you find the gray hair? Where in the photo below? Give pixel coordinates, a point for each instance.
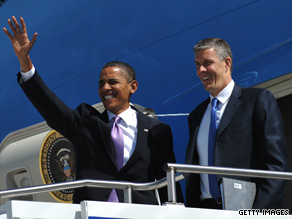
(220, 46)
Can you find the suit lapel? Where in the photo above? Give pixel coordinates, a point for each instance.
(198, 115)
(230, 110)
(106, 136)
(143, 127)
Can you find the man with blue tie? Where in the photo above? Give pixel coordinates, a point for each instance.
(235, 127)
(119, 144)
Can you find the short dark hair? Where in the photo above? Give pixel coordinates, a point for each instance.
(221, 47)
(126, 69)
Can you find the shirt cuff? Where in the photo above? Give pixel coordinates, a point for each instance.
(27, 75)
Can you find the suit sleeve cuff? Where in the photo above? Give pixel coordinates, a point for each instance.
(27, 75)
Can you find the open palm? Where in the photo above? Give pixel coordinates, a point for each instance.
(19, 39)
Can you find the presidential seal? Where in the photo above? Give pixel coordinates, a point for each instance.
(57, 164)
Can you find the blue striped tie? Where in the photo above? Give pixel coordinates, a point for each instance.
(213, 185)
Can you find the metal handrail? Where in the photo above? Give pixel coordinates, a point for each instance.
(171, 168)
(126, 186)
(169, 181)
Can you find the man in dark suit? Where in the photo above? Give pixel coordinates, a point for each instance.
(249, 130)
(146, 142)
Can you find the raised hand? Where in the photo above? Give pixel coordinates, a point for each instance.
(20, 42)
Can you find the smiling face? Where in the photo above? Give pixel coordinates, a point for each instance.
(115, 90)
(213, 73)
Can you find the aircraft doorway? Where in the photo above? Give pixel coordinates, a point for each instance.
(281, 87)
(285, 104)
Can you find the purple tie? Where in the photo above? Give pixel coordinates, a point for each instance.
(118, 140)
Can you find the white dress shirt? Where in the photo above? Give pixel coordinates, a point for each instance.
(128, 124)
(203, 134)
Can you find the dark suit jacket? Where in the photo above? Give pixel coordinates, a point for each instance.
(89, 132)
(250, 135)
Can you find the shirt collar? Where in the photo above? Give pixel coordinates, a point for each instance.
(225, 94)
(128, 116)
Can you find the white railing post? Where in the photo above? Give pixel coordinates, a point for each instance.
(171, 188)
(128, 195)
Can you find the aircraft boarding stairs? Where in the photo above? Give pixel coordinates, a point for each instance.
(95, 209)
